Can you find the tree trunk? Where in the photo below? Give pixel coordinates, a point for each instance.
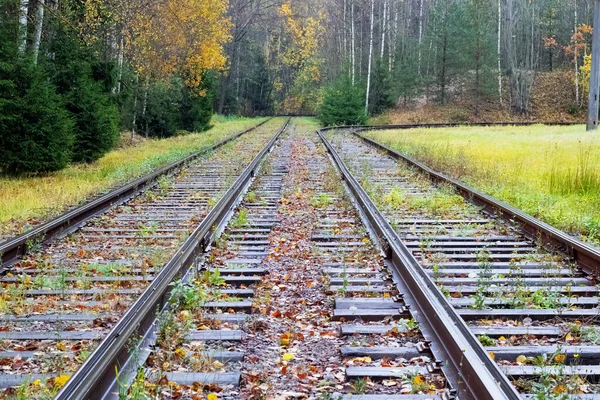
(39, 24)
(370, 56)
(385, 4)
(576, 60)
(135, 98)
(443, 71)
(392, 42)
(420, 35)
(345, 32)
(120, 63)
(499, 54)
(23, 14)
(145, 105)
(592, 122)
(353, 43)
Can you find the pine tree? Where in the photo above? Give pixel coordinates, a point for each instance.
(343, 104)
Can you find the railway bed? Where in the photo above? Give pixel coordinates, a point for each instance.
(300, 265)
(283, 245)
(533, 308)
(65, 296)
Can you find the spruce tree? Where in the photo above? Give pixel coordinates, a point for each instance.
(343, 104)
(85, 84)
(36, 133)
(162, 117)
(406, 81)
(197, 106)
(380, 96)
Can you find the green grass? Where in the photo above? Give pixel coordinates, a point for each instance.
(26, 200)
(550, 172)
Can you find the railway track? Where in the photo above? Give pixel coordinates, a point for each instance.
(533, 308)
(66, 295)
(272, 308)
(315, 266)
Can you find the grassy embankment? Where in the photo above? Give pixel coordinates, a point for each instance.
(550, 172)
(26, 201)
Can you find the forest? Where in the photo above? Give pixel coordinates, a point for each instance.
(76, 74)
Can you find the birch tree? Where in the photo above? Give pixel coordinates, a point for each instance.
(39, 24)
(370, 61)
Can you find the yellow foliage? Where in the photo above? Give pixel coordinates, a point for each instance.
(60, 381)
(164, 37)
(300, 53)
(584, 76)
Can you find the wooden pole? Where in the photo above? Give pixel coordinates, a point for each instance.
(592, 122)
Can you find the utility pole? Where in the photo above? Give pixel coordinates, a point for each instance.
(592, 122)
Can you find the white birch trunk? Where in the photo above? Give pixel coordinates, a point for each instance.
(500, 51)
(145, 104)
(383, 27)
(370, 55)
(135, 100)
(576, 60)
(39, 25)
(23, 25)
(392, 43)
(120, 64)
(353, 42)
(345, 36)
(420, 35)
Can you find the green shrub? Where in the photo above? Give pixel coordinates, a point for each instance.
(343, 104)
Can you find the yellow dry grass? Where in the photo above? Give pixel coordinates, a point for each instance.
(24, 201)
(550, 172)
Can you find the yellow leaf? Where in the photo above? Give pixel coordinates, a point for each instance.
(61, 346)
(212, 396)
(180, 352)
(501, 338)
(521, 359)
(288, 356)
(60, 381)
(492, 355)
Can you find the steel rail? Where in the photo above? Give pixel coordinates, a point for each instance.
(11, 250)
(467, 366)
(96, 377)
(586, 256)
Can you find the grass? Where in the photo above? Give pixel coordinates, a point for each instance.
(24, 201)
(550, 172)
